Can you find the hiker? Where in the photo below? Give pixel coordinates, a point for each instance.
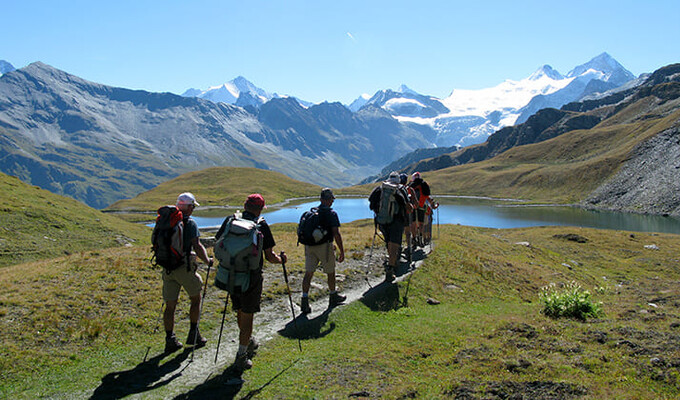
(247, 302)
(422, 194)
(185, 276)
(410, 224)
(389, 202)
(323, 252)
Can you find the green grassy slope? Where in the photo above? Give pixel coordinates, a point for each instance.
(36, 224)
(221, 186)
(78, 318)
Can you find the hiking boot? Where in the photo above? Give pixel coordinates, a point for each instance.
(389, 274)
(172, 344)
(253, 345)
(304, 305)
(200, 341)
(242, 362)
(335, 299)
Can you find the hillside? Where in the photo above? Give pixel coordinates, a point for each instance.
(221, 186)
(37, 224)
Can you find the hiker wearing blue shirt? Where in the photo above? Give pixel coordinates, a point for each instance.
(323, 254)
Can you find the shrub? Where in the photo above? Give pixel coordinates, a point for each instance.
(569, 301)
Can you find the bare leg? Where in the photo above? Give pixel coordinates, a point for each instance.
(169, 315)
(245, 326)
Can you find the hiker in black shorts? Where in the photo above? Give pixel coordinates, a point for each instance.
(396, 217)
(247, 303)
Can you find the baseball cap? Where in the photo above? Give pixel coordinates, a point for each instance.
(415, 175)
(256, 200)
(187, 198)
(394, 177)
(327, 194)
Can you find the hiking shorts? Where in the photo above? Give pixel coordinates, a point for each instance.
(180, 278)
(320, 254)
(248, 301)
(420, 214)
(393, 232)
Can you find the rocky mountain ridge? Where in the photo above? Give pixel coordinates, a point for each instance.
(100, 144)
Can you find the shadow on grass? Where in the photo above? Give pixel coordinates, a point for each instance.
(226, 386)
(303, 328)
(142, 378)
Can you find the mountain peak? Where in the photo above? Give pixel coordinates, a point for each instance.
(547, 71)
(607, 65)
(405, 89)
(5, 67)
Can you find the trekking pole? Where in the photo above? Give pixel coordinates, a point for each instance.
(370, 254)
(160, 316)
(290, 298)
(404, 301)
(200, 311)
(219, 339)
(437, 222)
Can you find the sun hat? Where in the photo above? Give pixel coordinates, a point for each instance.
(187, 198)
(327, 194)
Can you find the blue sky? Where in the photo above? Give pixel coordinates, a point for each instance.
(333, 50)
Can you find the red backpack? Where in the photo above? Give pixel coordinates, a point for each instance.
(167, 239)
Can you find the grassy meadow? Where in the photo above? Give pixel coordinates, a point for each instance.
(69, 321)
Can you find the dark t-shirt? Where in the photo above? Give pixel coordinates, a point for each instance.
(190, 233)
(328, 219)
(267, 237)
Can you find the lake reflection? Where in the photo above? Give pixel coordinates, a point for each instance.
(486, 213)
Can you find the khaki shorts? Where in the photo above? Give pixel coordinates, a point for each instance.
(191, 281)
(320, 254)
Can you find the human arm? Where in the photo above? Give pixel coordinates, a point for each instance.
(273, 257)
(201, 252)
(338, 240)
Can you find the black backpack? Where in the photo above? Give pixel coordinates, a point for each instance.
(167, 239)
(310, 230)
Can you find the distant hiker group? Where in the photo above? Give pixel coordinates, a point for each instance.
(244, 240)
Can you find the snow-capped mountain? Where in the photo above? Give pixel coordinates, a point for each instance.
(5, 67)
(359, 102)
(239, 91)
(468, 117)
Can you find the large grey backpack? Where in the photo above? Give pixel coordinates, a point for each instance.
(388, 203)
(239, 251)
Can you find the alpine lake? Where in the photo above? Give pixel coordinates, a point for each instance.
(480, 212)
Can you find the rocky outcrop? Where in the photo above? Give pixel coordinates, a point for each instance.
(649, 182)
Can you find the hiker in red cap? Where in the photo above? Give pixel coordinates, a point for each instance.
(246, 300)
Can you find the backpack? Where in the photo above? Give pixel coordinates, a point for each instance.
(388, 203)
(239, 251)
(310, 231)
(167, 239)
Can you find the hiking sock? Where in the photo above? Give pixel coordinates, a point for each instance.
(193, 326)
(168, 334)
(305, 295)
(241, 349)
